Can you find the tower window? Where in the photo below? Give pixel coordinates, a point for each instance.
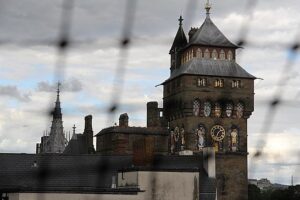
(196, 107)
(199, 53)
(236, 84)
(229, 55)
(218, 110)
(214, 54)
(201, 82)
(239, 110)
(222, 55)
(206, 54)
(219, 83)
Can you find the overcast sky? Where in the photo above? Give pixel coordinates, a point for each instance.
(27, 60)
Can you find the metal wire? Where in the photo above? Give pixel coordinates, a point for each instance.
(63, 44)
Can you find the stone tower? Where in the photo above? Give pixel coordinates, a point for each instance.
(207, 100)
(55, 142)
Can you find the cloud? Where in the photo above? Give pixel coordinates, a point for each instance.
(70, 85)
(14, 92)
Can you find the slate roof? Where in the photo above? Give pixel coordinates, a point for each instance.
(210, 67)
(134, 130)
(59, 172)
(77, 145)
(78, 173)
(209, 35)
(179, 40)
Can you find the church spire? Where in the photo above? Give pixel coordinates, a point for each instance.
(57, 110)
(207, 8)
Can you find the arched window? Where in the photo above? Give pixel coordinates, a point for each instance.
(199, 53)
(214, 54)
(229, 108)
(207, 108)
(229, 55)
(218, 110)
(206, 54)
(234, 139)
(222, 55)
(196, 107)
(239, 110)
(192, 54)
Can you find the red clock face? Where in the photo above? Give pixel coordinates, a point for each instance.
(217, 133)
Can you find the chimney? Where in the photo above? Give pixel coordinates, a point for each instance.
(192, 32)
(153, 118)
(123, 120)
(88, 132)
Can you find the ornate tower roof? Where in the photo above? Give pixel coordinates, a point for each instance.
(180, 38)
(209, 35)
(57, 110)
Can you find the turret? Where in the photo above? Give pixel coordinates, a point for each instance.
(179, 42)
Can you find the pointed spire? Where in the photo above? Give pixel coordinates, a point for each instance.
(207, 8)
(58, 91)
(180, 38)
(57, 110)
(74, 128)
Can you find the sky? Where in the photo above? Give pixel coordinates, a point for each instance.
(28, 59)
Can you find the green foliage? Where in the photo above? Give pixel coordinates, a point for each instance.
(291, 193)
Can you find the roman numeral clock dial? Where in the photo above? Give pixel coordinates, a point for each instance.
(217, 133)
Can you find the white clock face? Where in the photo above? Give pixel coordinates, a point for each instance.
(207, 109)
(196, 107)
(229, 108)
(239, 110)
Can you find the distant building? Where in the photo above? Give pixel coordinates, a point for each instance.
(55, 142)
(82, 143)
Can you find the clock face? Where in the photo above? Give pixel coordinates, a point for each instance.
(229, 108)
(239, 110)
(207, 109)
(217, 133)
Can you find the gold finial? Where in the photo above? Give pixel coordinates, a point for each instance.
(207, 7)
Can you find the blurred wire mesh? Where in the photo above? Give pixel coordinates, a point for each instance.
(63, 43)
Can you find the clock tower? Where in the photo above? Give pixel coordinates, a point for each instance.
(207, 101)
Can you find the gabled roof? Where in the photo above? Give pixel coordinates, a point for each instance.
(210, 67)
(209, 35)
